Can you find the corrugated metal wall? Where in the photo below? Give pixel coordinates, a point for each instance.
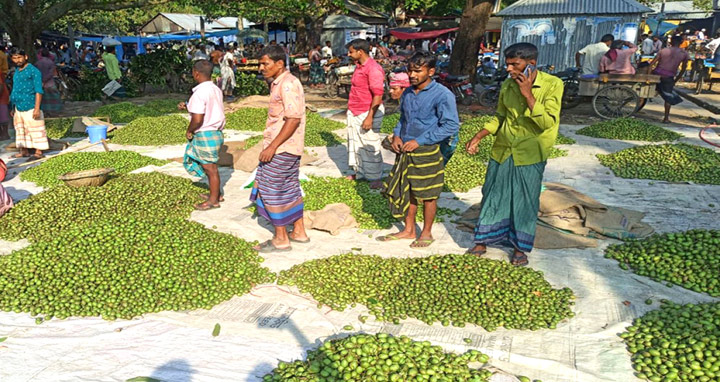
(567, 41)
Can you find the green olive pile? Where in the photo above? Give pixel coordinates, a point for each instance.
(629, 129)
(669, 162)
(152, 131)
(455, 289)
(58, 128)
(381, 357)
(318, 130)
(389, 122)
(124, 267)
(676, 343)
(126, 112)
(46, 174)
(563, 140)
(51, 212)
(368, 207)
(690, 259)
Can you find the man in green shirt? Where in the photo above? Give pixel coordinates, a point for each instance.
(112, 68)
(525, 128)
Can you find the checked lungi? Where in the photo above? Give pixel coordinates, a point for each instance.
(29, 132)
(204, 148)
(419, 174)
(51, 100)
(277, 193)
(510, 204)
(364, 155)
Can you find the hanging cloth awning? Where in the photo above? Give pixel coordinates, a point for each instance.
(421, 35)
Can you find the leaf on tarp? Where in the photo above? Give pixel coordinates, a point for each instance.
(2, 339)
(143, 379)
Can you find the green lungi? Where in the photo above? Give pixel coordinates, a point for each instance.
(510, 204)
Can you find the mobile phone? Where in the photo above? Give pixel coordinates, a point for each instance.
(528, 70)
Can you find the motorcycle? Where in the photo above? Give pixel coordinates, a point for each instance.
(571, 82)
(301, 68)
(459, 85)
(489, 95)
(338, 75)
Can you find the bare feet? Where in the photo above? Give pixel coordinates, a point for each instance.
(351, 177)
(666, 120)
(402, 235)
(477, 250)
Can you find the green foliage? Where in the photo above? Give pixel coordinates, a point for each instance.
(46, 174)
(455, 289)
(58, 128)
(152, 131)
(122, 22)
(389, 358)
(123, 267)
(249, 85)
(630, 129)
(166, 67)
(676, 343)
(389, 122)
(670, 162)
(690, 259)
(318, 130)
(148, 195)
(90, 86)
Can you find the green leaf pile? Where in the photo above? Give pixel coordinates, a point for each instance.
(58, 128)
(51, 212)
(381, 357)
(152, 131)
(318, 130)
(124, 267)
(690, 259)
(669, 162)
(47, 173)
(676, 343)
(629, 129)
(389, 122)
(455, 289)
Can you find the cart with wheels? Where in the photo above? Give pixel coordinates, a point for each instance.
(619, 95)
(705, 74)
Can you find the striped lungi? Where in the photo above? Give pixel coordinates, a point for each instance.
(419, 174)
(51, 100)
(277, 193)
(364, 155)
(29, 132)
(204, 148)
(510, 204)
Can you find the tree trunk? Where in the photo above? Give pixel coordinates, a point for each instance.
(464, 57)
(23, 35)
(301, 36)
(315, 31)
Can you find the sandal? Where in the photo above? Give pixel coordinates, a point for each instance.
(204, 206)
(299, 241)
(206, 197)
(479, 252)
(422, 243)
(20, 155)
(35, 157)
(268, 247)
(519, 259)
(391, 238)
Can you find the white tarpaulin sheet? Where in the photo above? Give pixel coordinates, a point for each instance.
(278, 323)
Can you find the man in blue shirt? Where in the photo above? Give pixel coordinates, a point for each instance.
(428, 117)
(26, 98)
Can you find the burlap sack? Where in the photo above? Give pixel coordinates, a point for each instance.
(332, 218)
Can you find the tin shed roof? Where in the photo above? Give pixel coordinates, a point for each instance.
(572, 7)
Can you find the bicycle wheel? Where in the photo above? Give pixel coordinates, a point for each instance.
(489, 97)
(615, 101)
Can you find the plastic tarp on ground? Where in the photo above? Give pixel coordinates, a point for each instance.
(421, 35)
(274, 323)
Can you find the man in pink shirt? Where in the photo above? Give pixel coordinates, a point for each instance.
(364, 115)
(618, 60)
(668, 61)
(204, 133)
(277, 193)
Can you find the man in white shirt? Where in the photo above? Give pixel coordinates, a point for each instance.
(701, 34)
(593, 53)
(712, 46)
(327, 52)
(647, 48)
(426, 45)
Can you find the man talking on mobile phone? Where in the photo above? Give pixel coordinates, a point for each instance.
(525, 128)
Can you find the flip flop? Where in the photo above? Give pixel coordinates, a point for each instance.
(520, 260)
(476, 253)
(300, 241)
(204, 206)
(35, 157)
(391, 238)
(269, 247)
(422, 243)
(207, 197)
(19, 155)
